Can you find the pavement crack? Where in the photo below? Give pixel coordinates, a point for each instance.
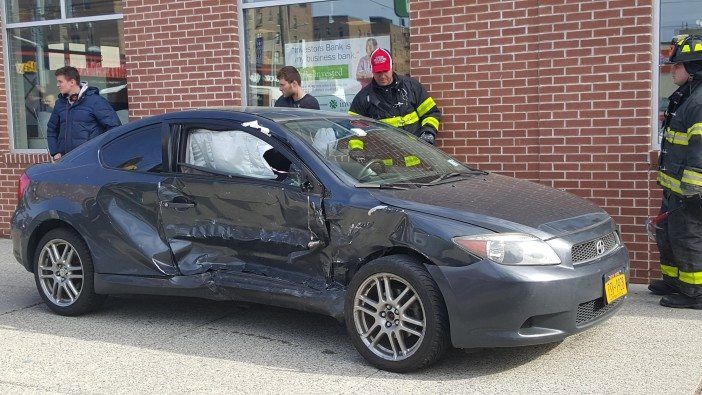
(21, 308)
(698, 391)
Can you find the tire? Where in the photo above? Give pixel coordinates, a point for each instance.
(64, 273)
(414, 332)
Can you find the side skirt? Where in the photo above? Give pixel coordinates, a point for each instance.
(220, 285)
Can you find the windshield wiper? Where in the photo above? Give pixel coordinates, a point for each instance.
(454, 174)
(379, 186)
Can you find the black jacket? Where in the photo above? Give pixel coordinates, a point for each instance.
(404, 104)
(680, 164)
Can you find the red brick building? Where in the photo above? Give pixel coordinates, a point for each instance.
(560, 92)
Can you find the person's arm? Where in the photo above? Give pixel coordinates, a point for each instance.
(429, 113)
(52, 131)
(106, 115)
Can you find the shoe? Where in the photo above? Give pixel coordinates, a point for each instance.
(660, 287)
(682, 302)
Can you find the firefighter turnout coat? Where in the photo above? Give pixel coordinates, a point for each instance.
(404, 104)
(680, 174)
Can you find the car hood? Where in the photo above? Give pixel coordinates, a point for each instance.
(501, 204)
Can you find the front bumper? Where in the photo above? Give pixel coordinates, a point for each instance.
(492, 305)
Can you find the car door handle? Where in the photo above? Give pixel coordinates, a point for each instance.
(179, 202)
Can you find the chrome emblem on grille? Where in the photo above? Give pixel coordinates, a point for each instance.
(600, 247)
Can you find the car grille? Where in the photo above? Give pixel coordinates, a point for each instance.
(589, 311)
(588, 250)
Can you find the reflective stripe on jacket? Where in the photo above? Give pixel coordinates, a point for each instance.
(404, 104)
(680, 167)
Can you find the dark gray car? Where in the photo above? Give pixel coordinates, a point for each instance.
(323, 212)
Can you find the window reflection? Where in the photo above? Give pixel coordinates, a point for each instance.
(677, 17)
(83, 8)
(95, 48)
(327, 42)
(32, 10)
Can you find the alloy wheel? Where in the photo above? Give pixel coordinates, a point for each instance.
(389, 316)
(60, 272)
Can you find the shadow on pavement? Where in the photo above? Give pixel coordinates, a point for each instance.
(272, 337)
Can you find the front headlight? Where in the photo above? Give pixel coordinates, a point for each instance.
(509, 249)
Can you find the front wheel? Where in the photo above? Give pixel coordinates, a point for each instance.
(396, 315)
(63, 271)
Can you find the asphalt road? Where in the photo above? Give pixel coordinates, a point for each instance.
(166, 345)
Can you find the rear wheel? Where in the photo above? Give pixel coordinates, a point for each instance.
(396, 315)
(63, 271)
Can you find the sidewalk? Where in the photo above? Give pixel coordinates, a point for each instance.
(165, 345)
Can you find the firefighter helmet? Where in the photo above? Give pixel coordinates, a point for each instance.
(685, 48)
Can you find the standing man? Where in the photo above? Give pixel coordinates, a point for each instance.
(290, 85)
(679, 237)
(397, 100)
(79, 114)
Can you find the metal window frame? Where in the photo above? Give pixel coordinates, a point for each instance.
(655, 75)
(6, 56)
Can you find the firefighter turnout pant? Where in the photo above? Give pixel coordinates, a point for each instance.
(679, 240)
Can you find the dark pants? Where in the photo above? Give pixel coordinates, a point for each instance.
(679, 240)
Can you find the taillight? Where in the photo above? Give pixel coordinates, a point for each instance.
(22, 185)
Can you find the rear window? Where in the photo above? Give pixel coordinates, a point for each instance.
(139, 150)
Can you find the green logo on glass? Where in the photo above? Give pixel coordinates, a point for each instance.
(333, 104)
(329, 72)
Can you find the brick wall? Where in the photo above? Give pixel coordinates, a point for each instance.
(181, 54)
(556, 92)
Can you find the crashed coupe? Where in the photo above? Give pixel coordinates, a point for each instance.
(318, 211)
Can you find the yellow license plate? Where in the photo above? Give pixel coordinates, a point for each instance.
(615, 287)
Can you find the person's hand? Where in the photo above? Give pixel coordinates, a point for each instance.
(57, 157)
(428, 137)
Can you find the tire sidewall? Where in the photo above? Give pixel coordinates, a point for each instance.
(396, 265)
(87, 300)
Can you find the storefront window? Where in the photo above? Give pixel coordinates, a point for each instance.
(677, 17)
(32, 10)
(95, 48)
(328, 42)
(82, 8)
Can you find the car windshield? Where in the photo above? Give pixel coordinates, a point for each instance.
(373, 153)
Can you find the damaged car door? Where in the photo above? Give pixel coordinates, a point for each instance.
(239, 201)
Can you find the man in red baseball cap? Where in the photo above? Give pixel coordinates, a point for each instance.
(400, 101)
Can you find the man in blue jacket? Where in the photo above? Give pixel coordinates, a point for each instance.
(80, 113)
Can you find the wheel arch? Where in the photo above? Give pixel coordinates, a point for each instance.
(39, 232)
(395, 250)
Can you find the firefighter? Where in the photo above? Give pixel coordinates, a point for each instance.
(679, 236)
(397, 100)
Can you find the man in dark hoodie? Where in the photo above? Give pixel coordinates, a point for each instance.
(397, 100)
(79, 114)
(679, 235)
